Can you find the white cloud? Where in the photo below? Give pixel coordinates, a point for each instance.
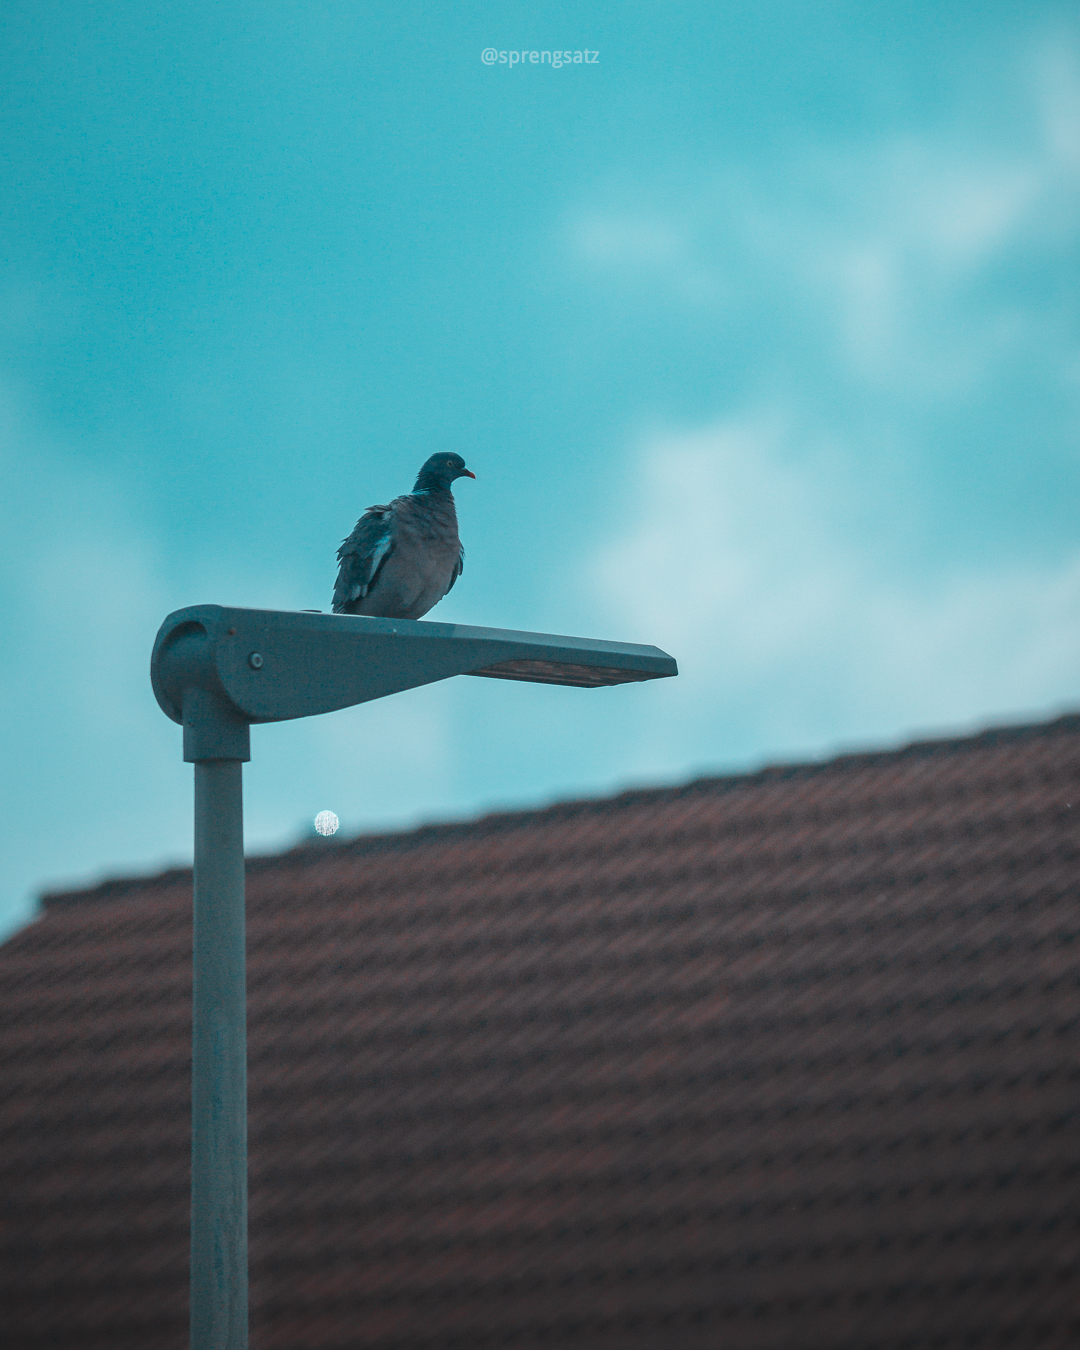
(620, 241)
(789, 627)
(652, 247)
(888, 280)
(878, 243)
(1055, 78)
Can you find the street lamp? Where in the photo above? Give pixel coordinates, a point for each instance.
(216, 671)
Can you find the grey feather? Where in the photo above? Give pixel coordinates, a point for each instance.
(362, 554)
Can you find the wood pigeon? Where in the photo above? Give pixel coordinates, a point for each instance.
(403, 558)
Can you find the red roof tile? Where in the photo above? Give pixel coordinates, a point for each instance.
(785, 1059)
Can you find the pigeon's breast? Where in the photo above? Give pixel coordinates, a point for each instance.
(424, 560)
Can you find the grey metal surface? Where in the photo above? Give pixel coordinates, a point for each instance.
(219, 1249)
(216, 670)
(260, 665)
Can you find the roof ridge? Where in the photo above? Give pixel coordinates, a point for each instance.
(310, 852)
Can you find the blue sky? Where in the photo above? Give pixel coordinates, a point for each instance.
(760, 332)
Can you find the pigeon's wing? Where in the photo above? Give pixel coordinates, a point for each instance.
(363, 554)
(457, 570)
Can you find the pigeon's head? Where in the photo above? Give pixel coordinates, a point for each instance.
(440, 471)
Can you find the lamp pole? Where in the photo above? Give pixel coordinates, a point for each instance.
(216, 671)
(219, 1278)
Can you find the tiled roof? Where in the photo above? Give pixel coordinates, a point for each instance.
(780, 1061)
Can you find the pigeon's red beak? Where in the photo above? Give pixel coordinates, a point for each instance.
(467, 473)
